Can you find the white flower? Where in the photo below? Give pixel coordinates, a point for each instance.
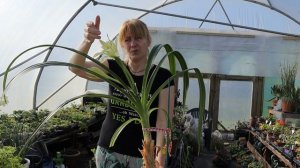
(110, 48)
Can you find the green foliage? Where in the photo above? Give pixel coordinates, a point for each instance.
(241, 154)
(186, 146)
(16, 128)
(185, 152)
(277, 128)
(58, 159)
(234, 149)
(8, 158)
(68, 117)
(187, 159)
(242, 125)
(288, 78)
(30, 119)
(276, 91)
(178, 121)
(255, 164)
(139, 102)
(265, 127)
(13, 132)
(290, 138)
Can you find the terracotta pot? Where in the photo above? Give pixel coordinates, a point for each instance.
(288, 106)
(279, 143)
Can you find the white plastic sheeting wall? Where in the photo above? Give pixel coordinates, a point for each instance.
(33, 22)
(231, 53)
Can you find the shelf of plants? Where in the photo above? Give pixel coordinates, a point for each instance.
(275, 144)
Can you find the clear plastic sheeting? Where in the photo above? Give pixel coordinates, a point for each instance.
(231, 53)
(254, 47)
(289, 7)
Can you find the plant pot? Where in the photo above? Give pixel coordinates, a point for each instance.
(288, 106)
(27, 163)
(279, 143)
(71, 158)
(270, 137)
(60, 166)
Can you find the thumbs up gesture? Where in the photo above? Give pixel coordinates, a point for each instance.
(92, 30)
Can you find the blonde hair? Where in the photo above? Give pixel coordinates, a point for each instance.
(135, 27)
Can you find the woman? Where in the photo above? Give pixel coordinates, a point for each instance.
(134, 38)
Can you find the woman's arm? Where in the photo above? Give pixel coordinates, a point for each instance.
(161, 121)
(91, 32)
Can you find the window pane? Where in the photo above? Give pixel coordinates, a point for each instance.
(192, 99)
(235, 102)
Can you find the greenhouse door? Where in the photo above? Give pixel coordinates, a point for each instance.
(233, 99)
(229, 98)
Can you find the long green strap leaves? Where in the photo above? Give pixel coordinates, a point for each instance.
(139, 103)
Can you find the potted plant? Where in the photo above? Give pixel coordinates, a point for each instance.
(182, 144)
(8, 157)
(15, 129)
(137, 101)
(67, 119)
(289, 92)
(13, 136)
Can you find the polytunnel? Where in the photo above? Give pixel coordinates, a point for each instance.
(256, 27)
(243, 48)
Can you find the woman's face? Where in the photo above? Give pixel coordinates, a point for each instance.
(135, 48)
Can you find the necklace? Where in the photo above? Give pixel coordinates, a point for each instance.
(135, 72)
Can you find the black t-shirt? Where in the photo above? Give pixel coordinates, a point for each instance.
(130, 139)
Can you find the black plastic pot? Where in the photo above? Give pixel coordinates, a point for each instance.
(71, 158)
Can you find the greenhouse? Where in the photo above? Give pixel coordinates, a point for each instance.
(160, 83)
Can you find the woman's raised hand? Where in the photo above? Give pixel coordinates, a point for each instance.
(92, 30)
